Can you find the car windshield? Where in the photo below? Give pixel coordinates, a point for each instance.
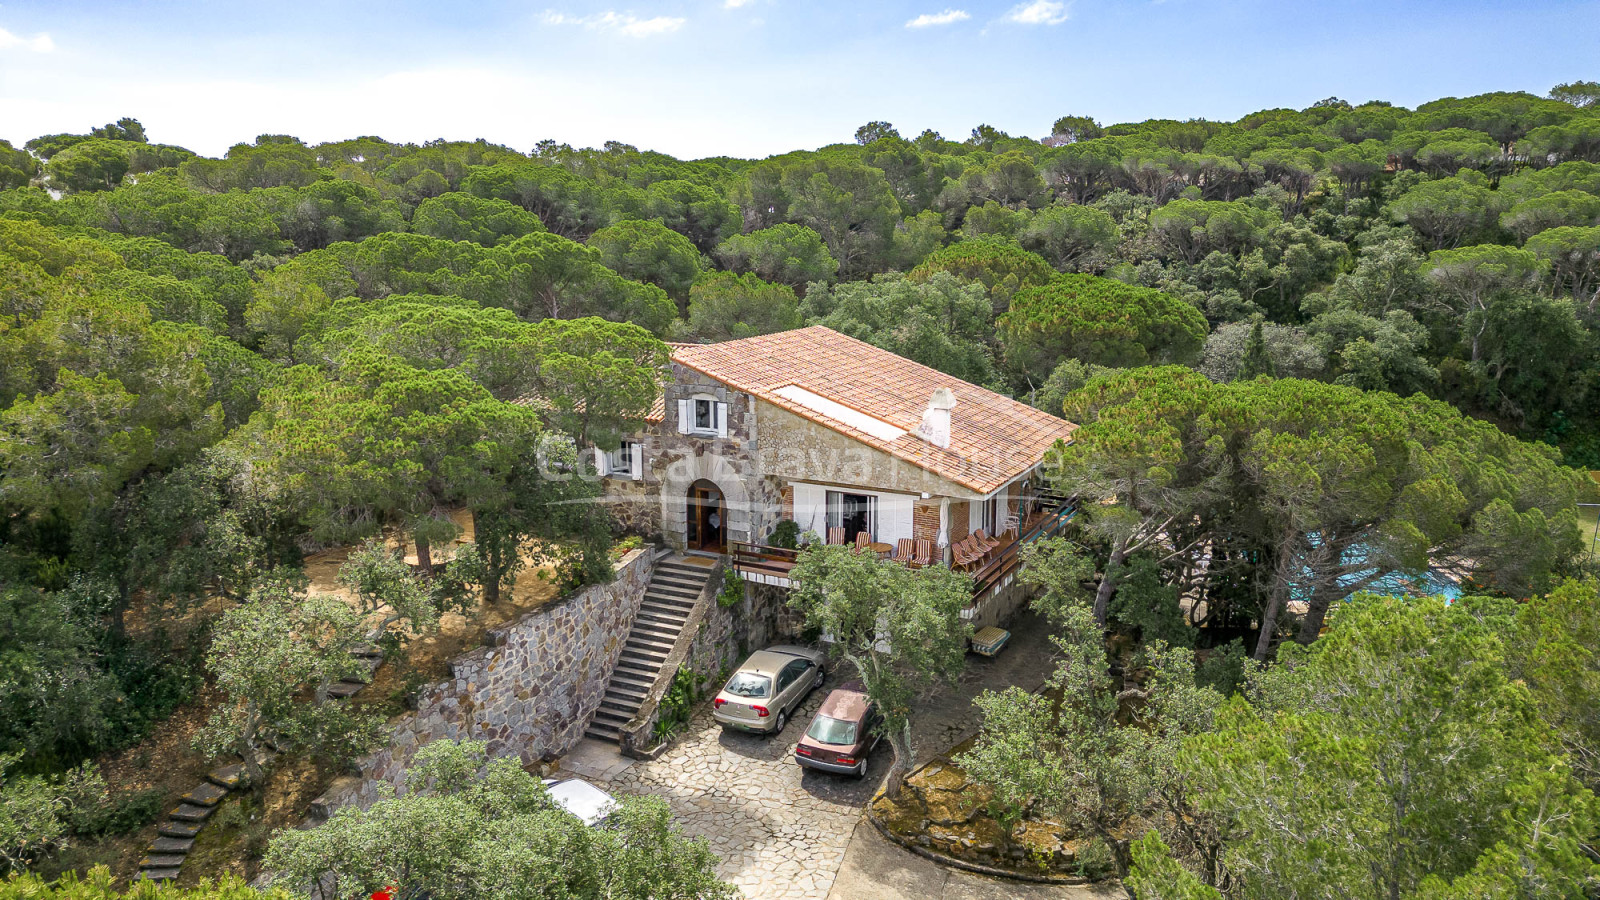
(829, 730)
(748, 684)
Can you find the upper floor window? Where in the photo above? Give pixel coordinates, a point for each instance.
(703, 415)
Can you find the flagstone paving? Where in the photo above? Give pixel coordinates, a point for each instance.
(783, 832)
(780, 830)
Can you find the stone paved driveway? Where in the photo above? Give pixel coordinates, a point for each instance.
(780, 830)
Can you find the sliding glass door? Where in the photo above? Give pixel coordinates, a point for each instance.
(854, 513)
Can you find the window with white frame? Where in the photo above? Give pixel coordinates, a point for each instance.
(627, 461)
(703, 415)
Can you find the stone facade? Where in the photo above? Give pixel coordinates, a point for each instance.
(674, 461)
(530, 694)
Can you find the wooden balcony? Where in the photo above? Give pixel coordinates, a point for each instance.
(999, 569)
(763, 564)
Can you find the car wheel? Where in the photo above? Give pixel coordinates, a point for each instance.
(861, 768)
(783, 719)
(822, 675)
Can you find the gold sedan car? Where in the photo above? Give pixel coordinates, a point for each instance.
(767, 688)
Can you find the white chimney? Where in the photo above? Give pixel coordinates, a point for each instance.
(935, 427)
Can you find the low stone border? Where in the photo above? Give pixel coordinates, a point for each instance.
(952, 861)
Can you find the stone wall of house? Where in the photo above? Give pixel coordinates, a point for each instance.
(529, 694)
(675, 461)
(636, 506)
(925, 520)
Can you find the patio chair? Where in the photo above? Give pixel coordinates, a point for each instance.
(984, 541)
(836, 535)
(966, 553)
(905, 551)
(924, 555)
(862, 540)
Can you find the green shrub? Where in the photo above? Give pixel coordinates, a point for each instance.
(121, 814)
(732, 589)
(786, 535)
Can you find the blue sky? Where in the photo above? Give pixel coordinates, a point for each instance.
(745, 77)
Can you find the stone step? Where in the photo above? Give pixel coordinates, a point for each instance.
(175, 829)
(632, 681)
(344, 690)
(655, 630)
(229, 777)
(170, 845)
(161, 861)
(170, 874)
(678, 583)
(188, 812)
(667, 604)
(602, 732)
(641, 670)
(656, 607)
(627, 709)
(367, 651)
(205, 794)
(622, 693)
(657, 655)
(674, 590)
(688, 569)
(611, 716)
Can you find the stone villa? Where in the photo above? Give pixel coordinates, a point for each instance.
(844, 439)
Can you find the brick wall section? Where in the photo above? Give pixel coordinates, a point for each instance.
(788, 501)
(925, 520)
(960, 515)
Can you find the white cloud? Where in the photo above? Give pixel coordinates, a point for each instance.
(948, 17)
(1039, 12)
(625, 23)
(735, 4)
(39, 43)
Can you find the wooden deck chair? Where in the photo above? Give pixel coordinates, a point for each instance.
(924, 555)
(984, 541)
(836, 534)
(905, 550)
(862, 540)
(966, 553)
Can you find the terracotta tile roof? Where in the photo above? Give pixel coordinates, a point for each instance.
(992, 438)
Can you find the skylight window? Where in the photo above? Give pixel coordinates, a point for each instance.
(837, 411)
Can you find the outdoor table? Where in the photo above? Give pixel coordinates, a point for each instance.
(880, 548)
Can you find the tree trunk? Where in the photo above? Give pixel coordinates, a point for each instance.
(249, 751)
(493, 563)
(900, 743)
(1316, 613)
(424, 555)
(1269, 624)
(1108, 581)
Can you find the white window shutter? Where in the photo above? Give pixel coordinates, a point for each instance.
(637, 462)
(722, 420)
(602, 463)
(685, 416)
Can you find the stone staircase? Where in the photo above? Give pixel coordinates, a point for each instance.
(674, 587)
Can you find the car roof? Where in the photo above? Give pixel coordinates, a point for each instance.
(843, 704)
(768, 661)
(582, 799)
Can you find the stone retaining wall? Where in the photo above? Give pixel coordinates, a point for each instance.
(530, 693)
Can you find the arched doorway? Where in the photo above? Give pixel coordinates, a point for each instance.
(708, 517)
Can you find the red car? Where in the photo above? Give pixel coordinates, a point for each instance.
(842, 734)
